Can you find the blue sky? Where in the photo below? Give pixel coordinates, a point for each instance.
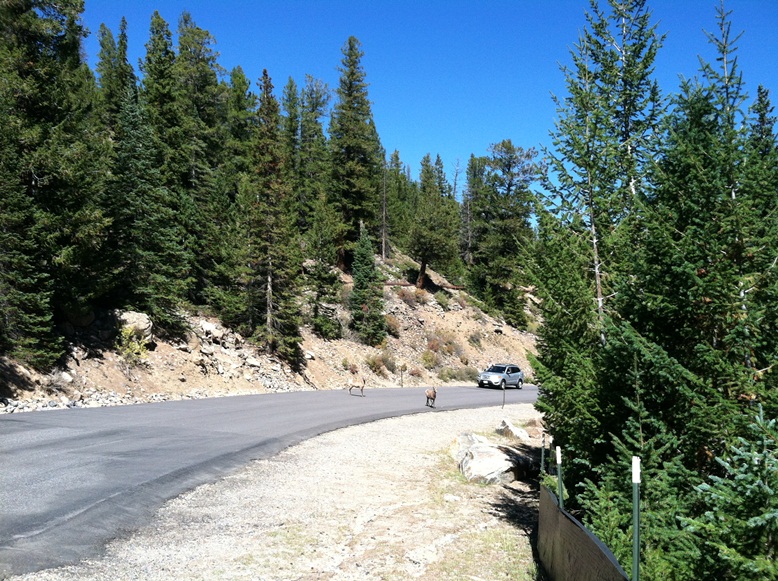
(446, 77)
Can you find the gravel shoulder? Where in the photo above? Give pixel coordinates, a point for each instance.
(383, 500)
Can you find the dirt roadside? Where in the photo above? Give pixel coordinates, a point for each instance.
(383, 500)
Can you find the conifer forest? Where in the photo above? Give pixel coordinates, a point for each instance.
(648, 232)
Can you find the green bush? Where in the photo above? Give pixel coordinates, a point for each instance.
(376, 364)
(388, 360)
(327, 328)
(430, 359)
(443, 299)
(131, 348)
(463, 374)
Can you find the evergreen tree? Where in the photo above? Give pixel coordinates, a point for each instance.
(227, 276)
(314, 155)
(291, 128)
(62, 155)
(737, 533)
(500, 208)
(114, 70)
(356, 151)
(430, 238)
(474, 186)
(26, 327)
(323, 277)
(366, 299)
(401, 198)
(596, 180)
(201, 99)
(273, 256)
(150, 263)
(162, 91)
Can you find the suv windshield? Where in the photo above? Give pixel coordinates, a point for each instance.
(496, 369)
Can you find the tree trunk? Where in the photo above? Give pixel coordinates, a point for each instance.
(422, 275)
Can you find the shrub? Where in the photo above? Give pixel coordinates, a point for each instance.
(444, 343)
(415, 372)
(131, 348)
(430, 359)
(388, 358)
(464, 374)
(327, 327)
(408, 297)
(350, 367)
(443, 299)
(475, 340)
(393, 326)
(421, 296)
(376, 364)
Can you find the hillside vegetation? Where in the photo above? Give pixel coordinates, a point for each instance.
(438, 341)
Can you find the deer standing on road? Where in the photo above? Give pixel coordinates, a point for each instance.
(431, 395)
(353, 385)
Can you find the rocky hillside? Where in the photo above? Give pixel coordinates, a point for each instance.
(437, 340)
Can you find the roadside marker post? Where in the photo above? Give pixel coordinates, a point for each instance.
(635, 518)
(559, 477)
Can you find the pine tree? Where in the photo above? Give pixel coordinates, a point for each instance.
(26, 325)
(356, 153)
(314, 155)
(114, 70)
(366, 299)
(228, 272)
(150, 262)
(603, 143)
(499, 211)
(737, 533)
(63, 153)
(401, 198)
(323, 278)
(290, 131)
(430, 237)
(200, 99)
(273, 254)
(162, 92)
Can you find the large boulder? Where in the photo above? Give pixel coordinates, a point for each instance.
(488, 464)
(139, 324)
(463, 443)
(506, 428)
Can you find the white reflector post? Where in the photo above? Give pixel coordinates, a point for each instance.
(558, 455)
(635, 470)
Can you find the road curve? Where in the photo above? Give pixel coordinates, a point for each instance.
(71, 480)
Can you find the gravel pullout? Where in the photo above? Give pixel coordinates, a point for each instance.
(377, 501)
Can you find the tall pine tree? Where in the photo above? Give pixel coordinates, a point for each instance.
(356, 153)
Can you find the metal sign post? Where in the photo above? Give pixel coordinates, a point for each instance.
(635, 518)
(559, 477)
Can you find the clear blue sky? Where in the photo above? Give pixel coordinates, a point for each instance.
(446, 77)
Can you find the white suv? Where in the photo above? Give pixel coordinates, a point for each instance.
(502, 375)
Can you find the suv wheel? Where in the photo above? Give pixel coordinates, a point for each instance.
(502, 384)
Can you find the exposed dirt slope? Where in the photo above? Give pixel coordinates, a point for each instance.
(435, 344)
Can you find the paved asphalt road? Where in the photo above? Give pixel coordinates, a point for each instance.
(71, 480)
